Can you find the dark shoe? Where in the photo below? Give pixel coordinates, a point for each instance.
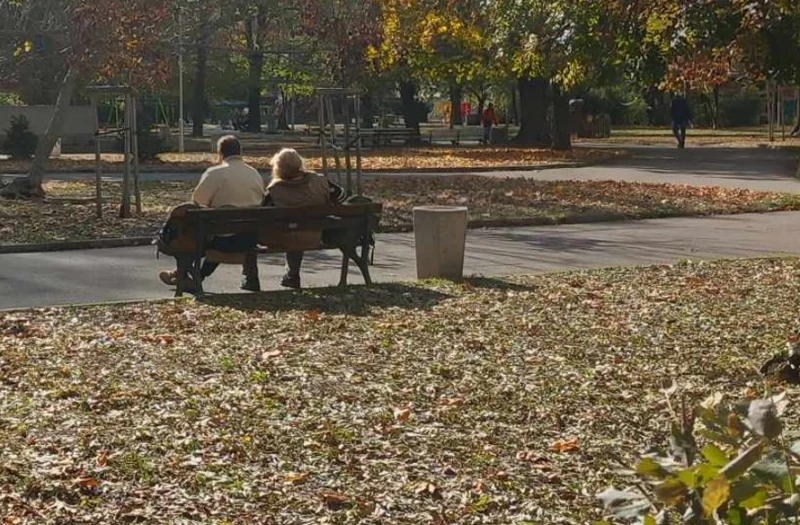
(251, 285)
(291, 281)
(189, 285)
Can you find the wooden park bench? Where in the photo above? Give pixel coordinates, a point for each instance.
(386, 137)
(451, 136)
(343, 227)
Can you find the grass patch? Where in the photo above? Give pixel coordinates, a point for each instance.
(492, 202)
(491, 401)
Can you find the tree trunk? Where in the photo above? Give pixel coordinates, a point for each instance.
(482, 98)
(199, 102)
(562, 138)
(533, 117)
(408, 97)
(31, 186)
(715, 112)
(456, 94)
(256, 63)
(283, 118)
(514, 105)
(367, 110)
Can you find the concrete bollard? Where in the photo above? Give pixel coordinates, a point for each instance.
(440, 234)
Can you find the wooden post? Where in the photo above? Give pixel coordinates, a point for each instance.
(135, 141)
(334, 146)
(770, 112)
(347, 164)
(358, 144)
(98, 166)
(322, 137)
(125, 207)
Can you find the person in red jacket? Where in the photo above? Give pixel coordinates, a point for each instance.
(489, 120)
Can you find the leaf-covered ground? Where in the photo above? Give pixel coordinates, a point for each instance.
(481, 402)
(491, 201)
(379, 159)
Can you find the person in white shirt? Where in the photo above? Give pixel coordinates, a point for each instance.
(231, 183)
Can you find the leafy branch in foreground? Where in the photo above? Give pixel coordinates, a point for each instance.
(726, 463)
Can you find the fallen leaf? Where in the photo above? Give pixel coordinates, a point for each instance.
(337, 500)
(568, 445)
(402, 414)
(295, 477)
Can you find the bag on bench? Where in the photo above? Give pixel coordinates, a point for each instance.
(170, 239)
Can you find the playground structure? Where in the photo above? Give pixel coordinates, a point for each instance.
(351, 137)
(128, 131)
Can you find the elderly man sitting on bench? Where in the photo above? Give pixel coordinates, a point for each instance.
(231, 183)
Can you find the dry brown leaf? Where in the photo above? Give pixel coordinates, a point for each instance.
(566, 445)
(336, 500)
(425, 488)
(87, 483)
(295, 477)
(402, 414)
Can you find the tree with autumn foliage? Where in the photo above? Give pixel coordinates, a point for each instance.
(551, 47)
(704, 44)
(114, 41)
(438, 42)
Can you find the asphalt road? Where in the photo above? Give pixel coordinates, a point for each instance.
(76, 277)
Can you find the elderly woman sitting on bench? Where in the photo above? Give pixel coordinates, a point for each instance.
(293, 185)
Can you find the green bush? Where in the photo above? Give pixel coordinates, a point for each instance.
(20, 141)
(726, 463)
(624, 106)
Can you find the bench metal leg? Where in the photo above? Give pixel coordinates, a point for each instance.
(197, 275)
(183, 268)
(365, 259)
(362, 261)
(345, 267)
(363, 264)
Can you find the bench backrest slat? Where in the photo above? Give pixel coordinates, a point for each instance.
(223, 221)
(270, 214)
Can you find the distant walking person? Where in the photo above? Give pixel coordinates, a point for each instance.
(681, 115)
(489, 120)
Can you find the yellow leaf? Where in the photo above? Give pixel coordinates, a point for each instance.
(716, 494)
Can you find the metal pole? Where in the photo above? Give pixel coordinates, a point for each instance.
(770, 112)
(334, 148)
(98, 167)
(323, 146)
(780, 114)
(125, 208)
(347, 164)
(181, 144)
(358, 144)
(135, 141)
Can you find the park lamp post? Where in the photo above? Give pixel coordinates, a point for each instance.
(181, 144)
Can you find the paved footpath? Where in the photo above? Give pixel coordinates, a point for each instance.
(130, 273)
(75, 277)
